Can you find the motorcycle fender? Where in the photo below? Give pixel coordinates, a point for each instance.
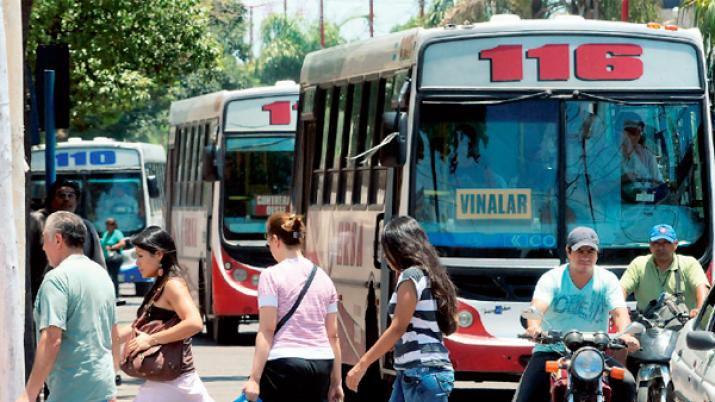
(649, 372)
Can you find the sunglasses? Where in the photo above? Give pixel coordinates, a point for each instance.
(633, 130)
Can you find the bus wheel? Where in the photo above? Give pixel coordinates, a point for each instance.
(142, 288)
(225, 330)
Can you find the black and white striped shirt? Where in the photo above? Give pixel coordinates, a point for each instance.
(421, 345)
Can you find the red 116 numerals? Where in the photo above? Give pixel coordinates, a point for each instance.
(592, 62)
(279, 112)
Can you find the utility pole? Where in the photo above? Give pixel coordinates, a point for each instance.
(371, 19)
(285, 9)
(422, 9)
(322, 27)
(250, 27)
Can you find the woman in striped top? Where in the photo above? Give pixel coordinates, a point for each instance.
(423, 308)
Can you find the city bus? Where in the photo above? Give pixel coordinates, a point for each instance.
(499, 138)
(230, 161)
(121, 180)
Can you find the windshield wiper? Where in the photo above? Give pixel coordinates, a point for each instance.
(580, 94)
(543, 94)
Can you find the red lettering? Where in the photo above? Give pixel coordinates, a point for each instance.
(553, 62)
(349, 249)
(278, 113)
(609, 62)
(505, 63)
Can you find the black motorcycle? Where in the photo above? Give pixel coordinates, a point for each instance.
(580, 375)
(663, 319)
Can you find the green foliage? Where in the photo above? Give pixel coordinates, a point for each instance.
(448, 12)
(122, 51)
(703, 12)
(285, 44)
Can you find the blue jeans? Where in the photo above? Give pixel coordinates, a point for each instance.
(422, 384)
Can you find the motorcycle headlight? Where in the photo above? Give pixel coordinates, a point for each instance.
(587, 364)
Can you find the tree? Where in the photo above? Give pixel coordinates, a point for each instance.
(285, 45)
(481, 10)
(122, 51)
(703, 17)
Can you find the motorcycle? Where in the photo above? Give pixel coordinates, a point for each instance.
(580, 375)
(662, 320)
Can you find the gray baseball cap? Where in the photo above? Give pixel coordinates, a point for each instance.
(580, 237)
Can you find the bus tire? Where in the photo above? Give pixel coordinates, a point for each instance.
(225, 330)
(142, 288)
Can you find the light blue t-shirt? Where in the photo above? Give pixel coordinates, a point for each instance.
(78, 297)
(586, 309)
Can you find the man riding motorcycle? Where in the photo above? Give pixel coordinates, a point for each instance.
(577, 295)
(664, 271)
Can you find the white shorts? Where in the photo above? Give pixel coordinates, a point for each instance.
(187, 388)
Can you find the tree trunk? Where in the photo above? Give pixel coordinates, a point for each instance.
(12, 200)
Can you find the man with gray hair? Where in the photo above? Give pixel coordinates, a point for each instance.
(76, 319)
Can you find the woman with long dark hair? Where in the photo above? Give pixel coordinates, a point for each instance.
(423, 308)
(168, 298)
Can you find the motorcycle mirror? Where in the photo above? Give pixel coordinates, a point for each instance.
(532, 313)
(634, 328)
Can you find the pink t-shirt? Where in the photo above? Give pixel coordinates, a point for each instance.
(303, 335)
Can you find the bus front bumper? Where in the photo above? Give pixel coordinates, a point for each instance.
(486, 358)
(130, 274)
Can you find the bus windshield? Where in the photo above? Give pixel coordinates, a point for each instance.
(117, 196)
(487, 176)
(257, 176)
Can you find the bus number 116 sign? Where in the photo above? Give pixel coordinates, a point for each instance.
(591, 62)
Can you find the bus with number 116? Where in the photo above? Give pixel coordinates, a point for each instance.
(499, 138)
(230, 157)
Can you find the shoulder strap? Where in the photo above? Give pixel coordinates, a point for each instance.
(153, 299)
(303, 291)
(678, 281)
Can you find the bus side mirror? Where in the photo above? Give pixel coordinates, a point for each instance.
(209, 172)
(152, 186)
(394, 153)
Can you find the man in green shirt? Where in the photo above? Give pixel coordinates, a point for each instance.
(75, 315)
(665, 271)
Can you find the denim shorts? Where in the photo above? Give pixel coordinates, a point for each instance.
(423, 384)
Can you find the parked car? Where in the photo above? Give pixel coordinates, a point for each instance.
(693, 362)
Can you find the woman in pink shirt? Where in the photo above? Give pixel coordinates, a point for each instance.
(300, 360)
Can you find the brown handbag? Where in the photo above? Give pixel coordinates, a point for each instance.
(159, 362)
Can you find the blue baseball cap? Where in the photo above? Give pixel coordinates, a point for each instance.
(664, 232)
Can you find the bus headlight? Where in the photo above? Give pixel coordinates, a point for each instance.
(254, 280)
(240, 275)
(227, 265)
(465, 319)
(587, 364)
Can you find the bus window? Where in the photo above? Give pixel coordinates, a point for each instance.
(354, 140)
(485, 176)
(118, 197)
(257, 177)
(342, 133)
(645, 155)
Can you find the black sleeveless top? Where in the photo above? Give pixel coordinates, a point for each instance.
(164, 315)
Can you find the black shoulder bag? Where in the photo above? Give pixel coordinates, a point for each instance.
(302, 293)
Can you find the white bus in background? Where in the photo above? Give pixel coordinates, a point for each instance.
(230, 158)
(121, 180)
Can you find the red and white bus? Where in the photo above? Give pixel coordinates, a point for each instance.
(499, 138)
(230, 157)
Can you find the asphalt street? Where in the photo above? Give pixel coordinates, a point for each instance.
(224, 369)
